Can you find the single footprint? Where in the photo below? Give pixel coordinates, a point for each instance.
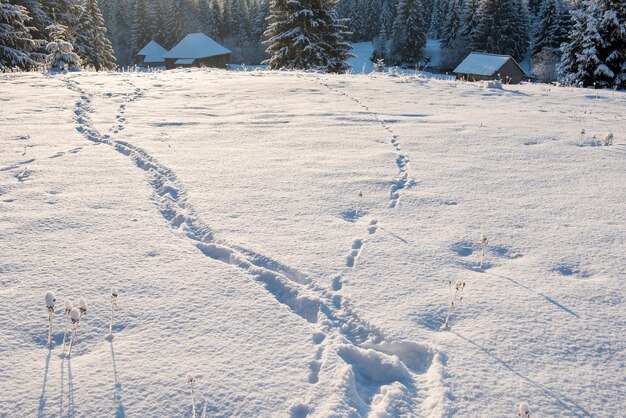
(314, 368)
(356, 249)
(373, 227)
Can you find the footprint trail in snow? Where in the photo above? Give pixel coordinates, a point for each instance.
(402, 181)
(371, 370)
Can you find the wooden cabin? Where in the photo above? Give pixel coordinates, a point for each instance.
(151, 55)
(197, 50)
(482, 66)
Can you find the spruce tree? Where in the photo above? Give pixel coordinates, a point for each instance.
(588, 57)
(611, 24)
(549, 31)
(469, 18)
(596, 52)
(17, 46)
(568, 68)
(40, 18)
(502, 28)
(66, 13)
(440, 9)
(452, 25)
(304, 34)
(159, 30)
(176, 22)
(61, 55)
(240, 21)
(208, 19)
(369, 16)
(224, 22)
(93, 46)
(521, 30)
(358, 20)
(429, 8)
(409, 32)
(216, 9)
(381, 43)
(123, 33)
(141, 31)
(387, 16)
(258, 20)
(534, 7)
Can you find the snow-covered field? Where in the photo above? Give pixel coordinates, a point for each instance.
(225, 207)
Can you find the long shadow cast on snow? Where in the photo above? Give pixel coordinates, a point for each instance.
(120, 412)
(42, 397)
(547, 298)
(570, 405)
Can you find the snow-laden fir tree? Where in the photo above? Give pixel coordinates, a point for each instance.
(17, 46)
(440, 8)
(40, 19)
(549, 31)
(522, 30)
(469, 18)
(142, 26)
(159, 30)
(590, 66)
(240, 21)
(216, 9)
(387, 15)
(122, 32)
(370, 11)
(611, 19)
(596, 52)
(176, 22)
(409, 32)
(223, 20)
(357, 20)
(208, 19)
(381, 43)
(342, 9)
(258, 19)
(61, 55)
(304, 34)
(429, 7)
(93, 46)
(534, 7)
(568, 67)
(66, 13)
(502, 28)
(452, 25)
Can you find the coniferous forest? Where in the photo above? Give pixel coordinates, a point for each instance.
(575, 41)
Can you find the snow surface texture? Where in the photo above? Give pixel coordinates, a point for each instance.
(196, 45)
(231, 221)
(153, 52)
(481, 64)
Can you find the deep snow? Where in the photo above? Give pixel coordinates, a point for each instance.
(289, 240)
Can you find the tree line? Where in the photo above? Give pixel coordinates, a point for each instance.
(577, 41)
(62, 34)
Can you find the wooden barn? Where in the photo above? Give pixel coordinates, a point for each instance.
(482, 66)
(197, 50)
(151, 55)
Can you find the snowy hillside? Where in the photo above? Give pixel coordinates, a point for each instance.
(290, 238)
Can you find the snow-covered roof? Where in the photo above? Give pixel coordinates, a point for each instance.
(482, 64)
(153, 52)
(185, 61)
(196, 45)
